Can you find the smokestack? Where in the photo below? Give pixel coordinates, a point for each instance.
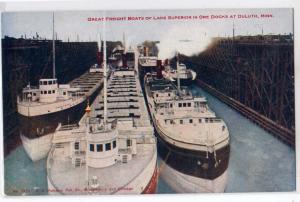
(158, 69)
(166, 62)
(124, 60)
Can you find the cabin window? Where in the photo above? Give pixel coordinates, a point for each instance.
(76, 146)
(191, 120)
(184, 104)
(172, 122)
(49, 91)
(54, 82)
(99, 147)
(169, 94)
(114, 144)
(179, 104)
(128, 142)
(200, 120)
(181, 121)
(156, 95)
(53, 91)
(45, 92)
(206, 120)
(64, 93)
(189, 104)
(42, 92)
(107, 147)
(92, 147)
(171, 105)
(34, 94)
(44, 82)
(50, 82)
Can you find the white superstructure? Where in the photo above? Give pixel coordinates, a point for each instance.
(113, 148)
(182, 72)
(49, 97)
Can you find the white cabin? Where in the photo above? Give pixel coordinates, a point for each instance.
(48, 97)
(48, 90)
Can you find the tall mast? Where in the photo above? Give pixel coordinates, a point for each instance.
(53, 46)
(177, 65)
(233, 31)
(104, 76)
(124, 42)
(99, 42)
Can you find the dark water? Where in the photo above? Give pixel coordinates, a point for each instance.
(258, 161)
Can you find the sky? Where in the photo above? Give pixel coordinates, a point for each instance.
(195, 33)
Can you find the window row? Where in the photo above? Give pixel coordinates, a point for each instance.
(181, 121)
(184, 104)
(48, 82)
(47, 92)
(101, 147)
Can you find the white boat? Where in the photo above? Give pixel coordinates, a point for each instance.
(113, 148)
(41, 108)
(192, 142)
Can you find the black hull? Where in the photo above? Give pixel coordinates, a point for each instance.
(194, 163)
(38, 126)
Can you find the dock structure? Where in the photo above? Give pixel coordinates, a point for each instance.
(255, 76)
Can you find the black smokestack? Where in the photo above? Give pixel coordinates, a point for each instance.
(166, 63)
(158, 69)
(146, 51)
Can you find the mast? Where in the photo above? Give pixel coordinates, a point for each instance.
(233, 31)
(99, 42)
(104, 77)
(53, 46)
(87, 110)
(124, 42)
(177, 65)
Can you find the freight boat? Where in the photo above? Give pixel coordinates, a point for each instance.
(42, 108)
(113, 148)
(192, 142)
(186, 76)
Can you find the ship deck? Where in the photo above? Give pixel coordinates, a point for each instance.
(87, 83)
(125, 100)
(63, 176)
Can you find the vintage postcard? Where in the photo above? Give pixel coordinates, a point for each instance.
(148, 101)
